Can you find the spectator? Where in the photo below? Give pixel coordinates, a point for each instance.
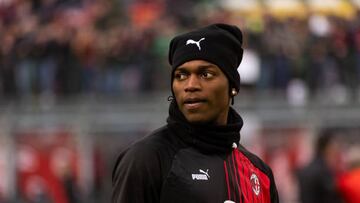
(349, 182)
(317, 180)
(76, 47)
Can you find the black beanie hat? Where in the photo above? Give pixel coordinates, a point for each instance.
(219, 44)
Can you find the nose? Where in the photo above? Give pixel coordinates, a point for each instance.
(192, 84)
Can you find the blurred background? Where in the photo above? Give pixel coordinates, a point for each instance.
(82, 79)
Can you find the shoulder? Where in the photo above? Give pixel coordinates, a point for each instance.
(138, 173)
(146, 146)
(262, 166)
(156, 139)
(157, 142)
(255, 160)
(146, 153)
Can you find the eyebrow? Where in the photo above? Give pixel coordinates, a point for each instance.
(207, 66)
(201, 67)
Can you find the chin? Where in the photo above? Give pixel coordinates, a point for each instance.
(196, 119)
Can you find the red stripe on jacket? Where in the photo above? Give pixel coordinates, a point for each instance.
(251, 184)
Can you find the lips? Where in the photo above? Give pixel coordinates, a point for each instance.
(193, 103)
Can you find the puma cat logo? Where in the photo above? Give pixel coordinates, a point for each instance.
(190, 41)
(202, 175)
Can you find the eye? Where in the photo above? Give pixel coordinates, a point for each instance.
(207, 74)
(180, 76)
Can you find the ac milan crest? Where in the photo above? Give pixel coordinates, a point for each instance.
(255, 184)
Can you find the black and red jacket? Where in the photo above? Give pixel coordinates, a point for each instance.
(187, 163)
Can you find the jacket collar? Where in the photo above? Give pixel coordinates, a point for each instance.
(207, 138)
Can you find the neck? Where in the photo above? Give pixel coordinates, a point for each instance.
(222, 119)
(206, 137)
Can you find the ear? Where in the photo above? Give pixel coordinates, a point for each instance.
(233, 92)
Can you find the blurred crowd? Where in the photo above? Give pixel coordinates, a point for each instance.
(333, 173)
(82, 47)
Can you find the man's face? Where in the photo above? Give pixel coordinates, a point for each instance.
(202, 92)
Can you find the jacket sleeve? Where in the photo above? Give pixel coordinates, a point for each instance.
(273, 191)
(136, 176)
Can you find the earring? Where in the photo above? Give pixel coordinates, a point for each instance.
(233, 92)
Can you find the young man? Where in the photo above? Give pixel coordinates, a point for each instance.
(197, 157)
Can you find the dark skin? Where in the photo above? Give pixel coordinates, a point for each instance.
(201, 91)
